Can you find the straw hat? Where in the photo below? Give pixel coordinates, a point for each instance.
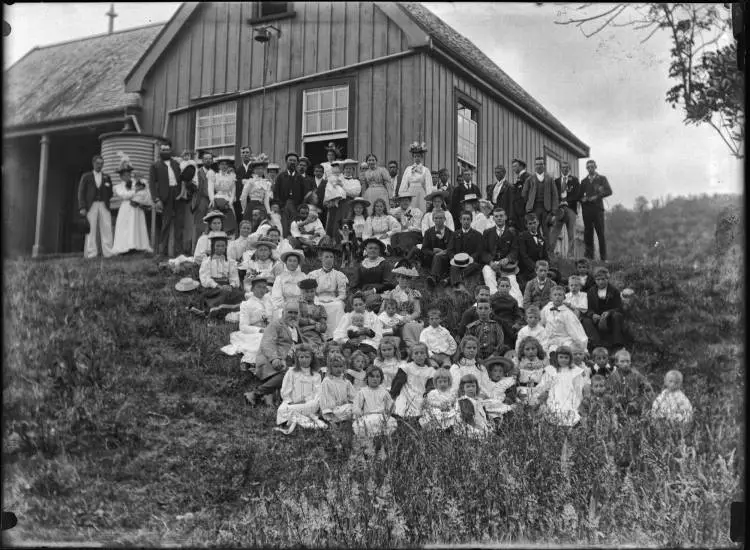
(274, 166)
(405, 194)
(346, 162)
(186, 285)
(462, 259)
(261, 160)
(406, 272)
(263, 242)
(211, 215)
(511, 268)
(300, 255)
(376, 241)
(360, 200)
(218, 235)
(417, 147)
(470, 197)
(437, 193)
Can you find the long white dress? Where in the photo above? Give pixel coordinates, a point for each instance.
(371, 413)
(409, 401)
(565, 394)
(418, 180)
(440, 412)
(255, 314)
(130, 228)
(300, 394)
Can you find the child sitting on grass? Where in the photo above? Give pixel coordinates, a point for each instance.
(576, 300)
(561, 390)
(372, 412)
(487, 331)
(579, 358)
(410, 384)
(388, 360)
(336, 392)
(532, 328)
(467, 364)
(537, 291)
(300, 393)
(471, 417)
(672, 405)
(601, 362)
(367, 329)
(439, 412)
(391, 320)
(597, 404)
(358, 364)
(438, 339)
(561, 325)
(631, 389)
(502, 378)
(530, 367)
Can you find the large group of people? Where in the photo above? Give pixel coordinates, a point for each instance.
(366, 346)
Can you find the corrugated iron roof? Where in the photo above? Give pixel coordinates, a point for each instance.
(75, 78)
(467, 52)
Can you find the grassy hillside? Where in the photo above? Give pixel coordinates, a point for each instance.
(132, 430)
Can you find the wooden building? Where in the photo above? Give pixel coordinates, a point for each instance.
(372, 76)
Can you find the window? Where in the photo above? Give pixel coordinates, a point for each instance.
(215, 126)
(325, 113)
(552, 164)
(270, 11)
(466, 132)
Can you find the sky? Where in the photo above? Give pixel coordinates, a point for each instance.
(608, 89)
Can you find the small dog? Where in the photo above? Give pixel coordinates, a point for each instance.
(348, 244)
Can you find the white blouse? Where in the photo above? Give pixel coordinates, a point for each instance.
(285, 287)
(331, 284)
(255, 312)
(300, 386)
(218, 267)
(380, 227)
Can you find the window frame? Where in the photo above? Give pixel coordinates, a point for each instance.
(350, 134)
(198, 117)
(476, 107)
(550, 154)
(257, 18)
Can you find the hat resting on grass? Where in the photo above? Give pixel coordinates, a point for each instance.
(186, 285)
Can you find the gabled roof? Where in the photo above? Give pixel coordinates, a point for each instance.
(79, 78)
(469, 54)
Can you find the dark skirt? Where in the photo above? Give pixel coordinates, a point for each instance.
(229, 298)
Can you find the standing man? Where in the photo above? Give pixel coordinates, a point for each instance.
(467, 187)
(200, 200)
(395, 183)
(517, 212)
(568, 188)
(289, 191)
(541, 198)
(594, 188)
(243, 172)
(94, 193)
(164, 177)
(499, 192)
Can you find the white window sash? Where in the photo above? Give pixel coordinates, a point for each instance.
(320, 111)
(216, 126)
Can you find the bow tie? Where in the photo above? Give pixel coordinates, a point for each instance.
(554, 309)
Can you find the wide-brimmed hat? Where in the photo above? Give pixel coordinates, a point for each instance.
(627, 293)
(519, 161)
(263, 242)
(273, 166)
(218, 236)
(462, 259)
(511, 268)
(380, 243)
(211, 215)
(470, 197)
(261, 160)
(404, 194)
(327, 244)
(437, 193)
(418, 147)
(498, 359)
(360, 200)
(346, 162)
(300, 255)
(256, 279)
(406, 271)
(224, 158)
(186, 285)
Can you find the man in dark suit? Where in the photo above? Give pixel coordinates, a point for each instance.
(467, 187)
(320, 183)
(517, 214)
(603, 321)
(568, 189)
(94, 194)
(467, 242)
(164, 178)
(499, 248)
(200, 201)
(594, 188)
(541, 198)
(289, 190)
(303, 168)
(243, 171)
(531, 248)
(499, 193)
(435, 248)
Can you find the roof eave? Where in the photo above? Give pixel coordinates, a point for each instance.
(69, 123)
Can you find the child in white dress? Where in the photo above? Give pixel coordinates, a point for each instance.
(561, 390)
(439, 405)
(358, 365)
(300, 393)
(410, 395)
(672, 404)
(533, 328)
(336, 393)
(471, 417)
(561, 324)
(501, 372)
(391, 320)
(467, 364)
(530, 367)
(372, 411)
(387, 360)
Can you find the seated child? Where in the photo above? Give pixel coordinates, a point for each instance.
(409, 386)
(439, 411)
(561, 390)
(440, 343)
(467, 364)
(537, 291)
(336, 392)
(391, 320)
(312, 316)
(300, 393)
(632, 391)
(306, 231)
(488, 332)
(368, 329)
(275, 215)
(579, 358)
(358, 364)
(471, 417)
(388, 360)
(481, 292)
(597, 404)
(672, 404)
(506, 311)
(502, 374)
(532, 328)
(530, 368)
(601, 362)
(576, 300)
(372, 411)
(561, 325)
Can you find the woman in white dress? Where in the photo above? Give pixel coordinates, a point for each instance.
(256, 190)
(376, 182)
(221, 193)
(285, 286)
(130, 228)
(417, 178)
(332, 153)
(256, 312)
(381, 225)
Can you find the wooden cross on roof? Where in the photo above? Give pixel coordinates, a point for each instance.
(111, 14)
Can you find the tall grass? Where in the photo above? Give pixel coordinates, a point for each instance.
(128, 426)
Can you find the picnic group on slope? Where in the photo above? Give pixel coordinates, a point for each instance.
(365, 348)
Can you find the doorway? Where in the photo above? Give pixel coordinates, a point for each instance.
(316, 150)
